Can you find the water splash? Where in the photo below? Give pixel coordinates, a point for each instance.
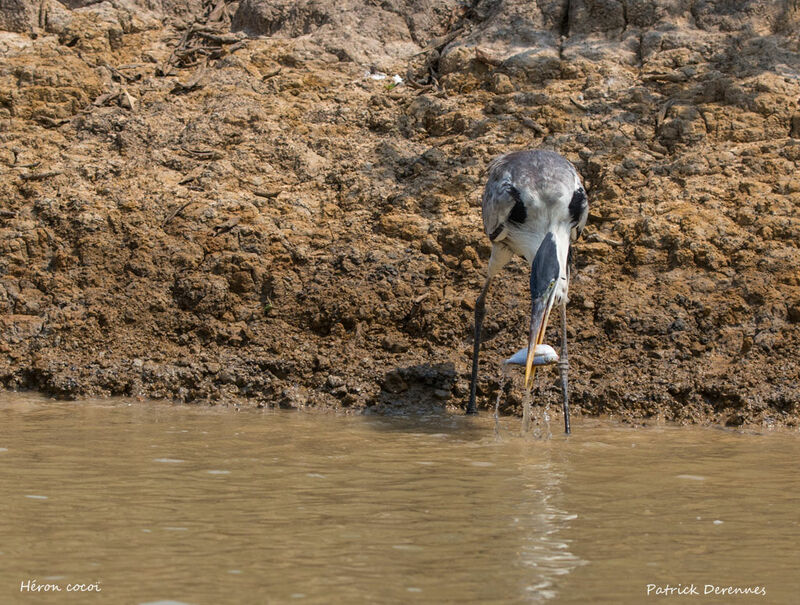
(535, 420)
(527, 402)
(505, 376)
(546, 421)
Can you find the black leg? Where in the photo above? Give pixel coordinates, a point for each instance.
(480, 313)
(563, 366)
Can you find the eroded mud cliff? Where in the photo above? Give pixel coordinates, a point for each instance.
(228, 202)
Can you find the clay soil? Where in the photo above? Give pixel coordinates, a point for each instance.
(197, 209)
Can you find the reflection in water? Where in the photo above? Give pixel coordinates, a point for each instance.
(164, 503)
(545, 550)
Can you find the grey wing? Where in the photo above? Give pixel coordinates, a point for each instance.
(578, 212)
(501, 200)
(497, 203)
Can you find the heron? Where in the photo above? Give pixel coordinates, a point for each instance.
(534, 206)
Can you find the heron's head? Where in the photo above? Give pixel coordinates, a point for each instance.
(545, 272)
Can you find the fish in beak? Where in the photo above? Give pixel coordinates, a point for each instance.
(544, 355)
(545, 270)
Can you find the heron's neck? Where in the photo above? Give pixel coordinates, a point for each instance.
(562, 250)
(528, 245)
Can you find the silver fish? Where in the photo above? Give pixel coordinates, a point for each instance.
(543, 355)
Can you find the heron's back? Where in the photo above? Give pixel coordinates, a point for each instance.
(527, 194)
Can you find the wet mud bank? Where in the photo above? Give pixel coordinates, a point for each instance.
(229, 203)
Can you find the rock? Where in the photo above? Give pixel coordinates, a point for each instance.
(793, 312)
(19, 15)
(17, 328)
(55, 16)
(458, 58)
(590, 16)
(794, 129)
(501, 84)
(351, 30)
(441, 394)
(524, 37)
(404, 227)
(394, 383)
(334, 382)
(394, 345)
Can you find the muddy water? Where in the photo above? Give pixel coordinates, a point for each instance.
(172, 503)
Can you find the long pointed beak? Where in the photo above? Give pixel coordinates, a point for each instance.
(540, 313)
(545, 271)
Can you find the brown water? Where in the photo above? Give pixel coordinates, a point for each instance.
(161, 503)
